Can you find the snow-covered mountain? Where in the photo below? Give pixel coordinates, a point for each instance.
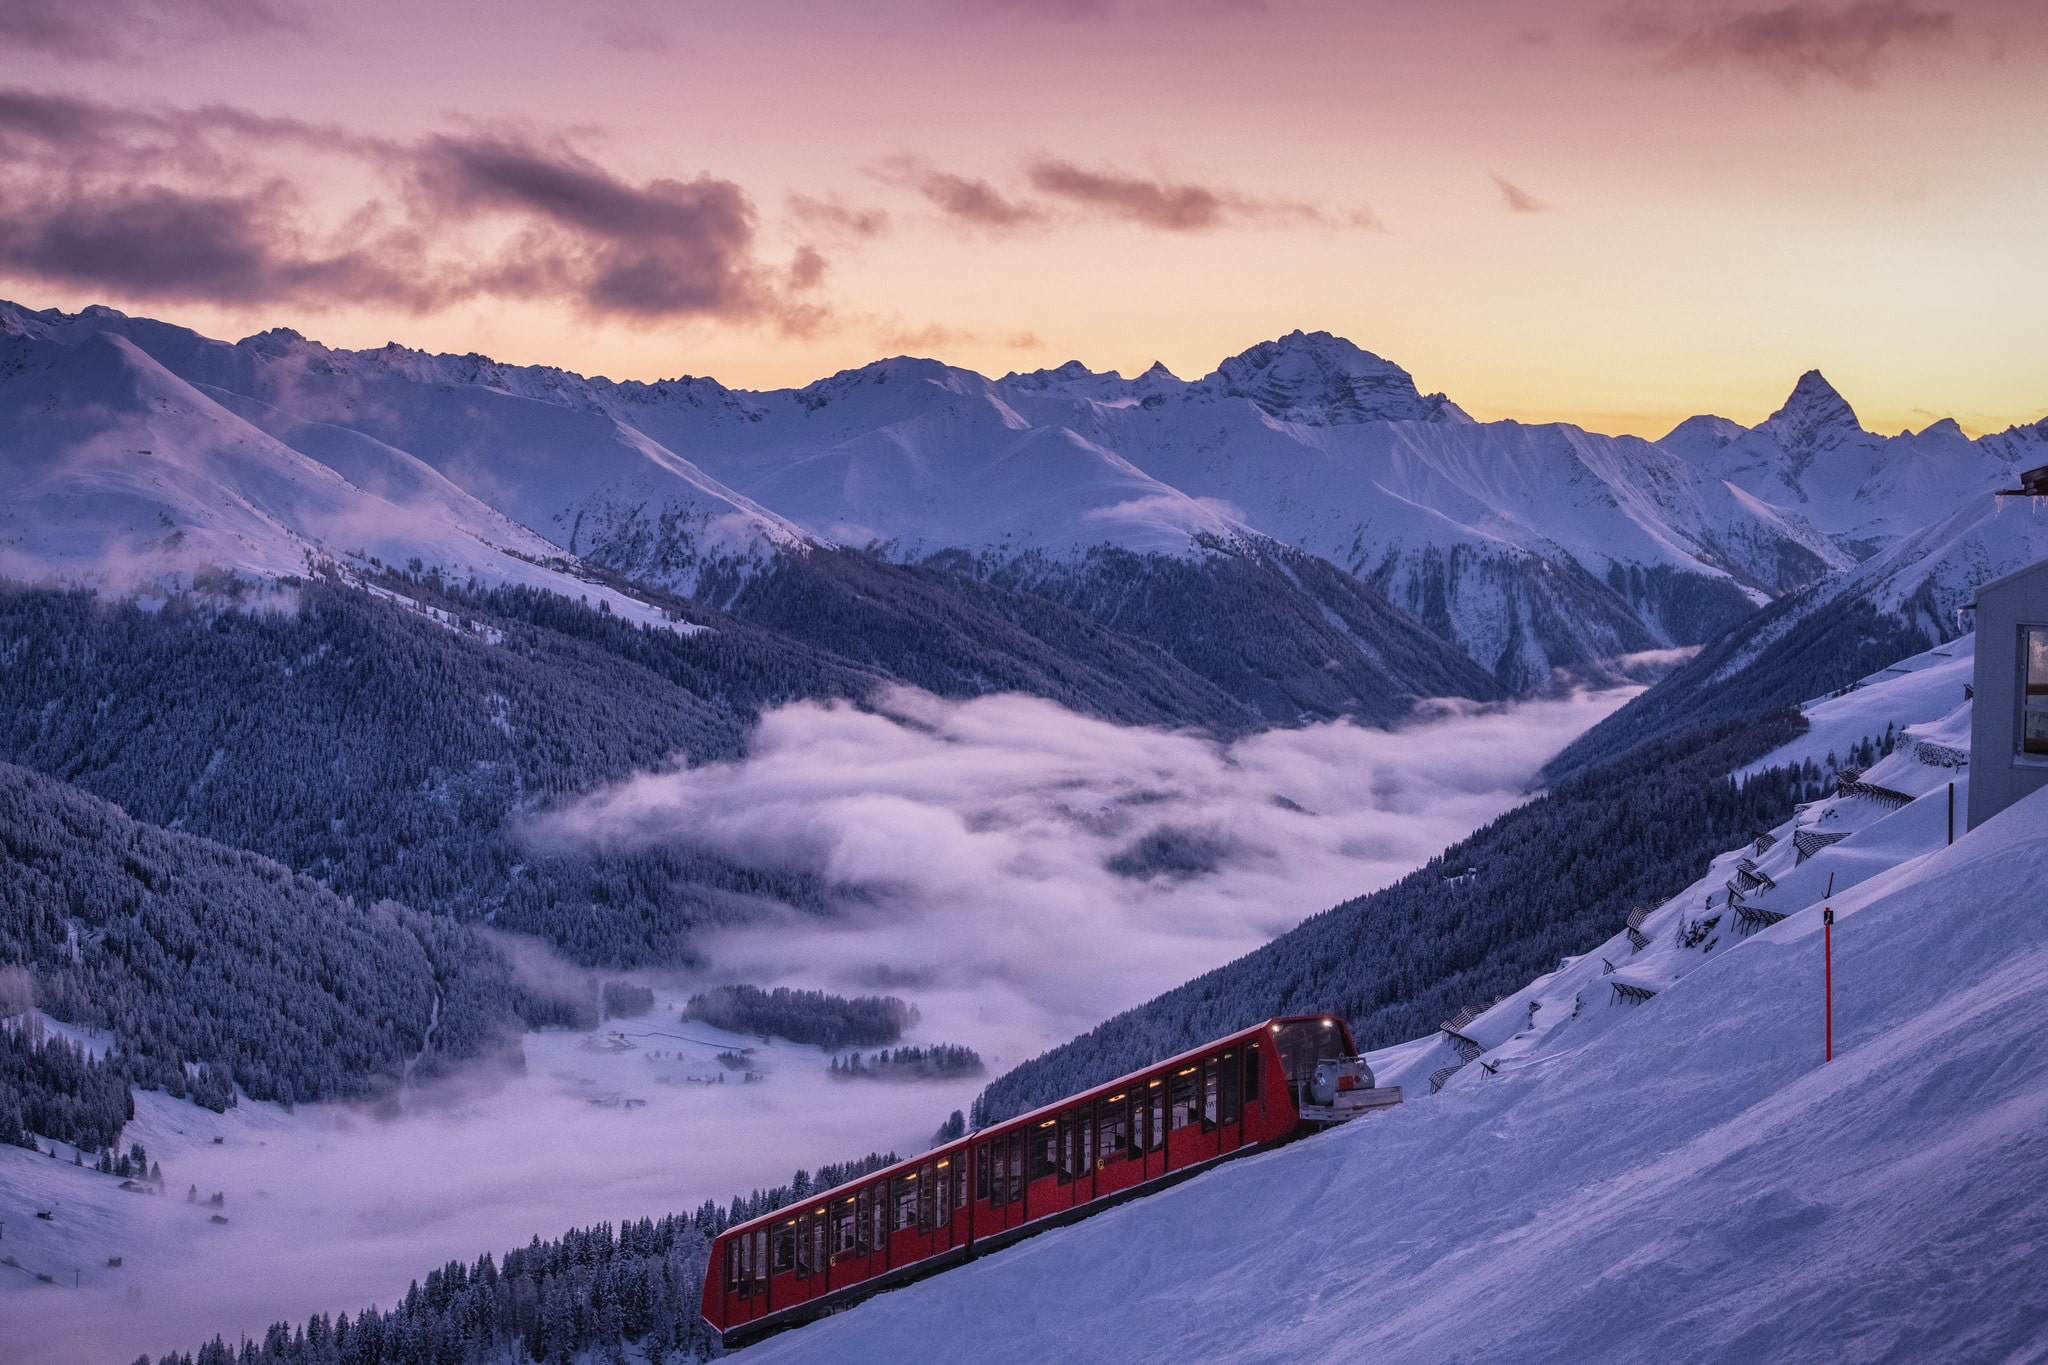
(115, 471)
(578, 482)
(1904, 599)
(1529, 547)
(1654, 1161)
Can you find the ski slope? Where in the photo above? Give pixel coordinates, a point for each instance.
(1677, 1179)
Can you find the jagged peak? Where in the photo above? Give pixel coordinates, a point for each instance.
(1814, 417)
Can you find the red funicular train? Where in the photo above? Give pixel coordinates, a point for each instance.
(1147, 1130)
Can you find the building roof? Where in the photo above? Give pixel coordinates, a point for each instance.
(2039, 566)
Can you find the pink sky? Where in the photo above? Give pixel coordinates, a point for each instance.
(1617, 212)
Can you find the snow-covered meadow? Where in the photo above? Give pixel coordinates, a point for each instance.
(971, 842)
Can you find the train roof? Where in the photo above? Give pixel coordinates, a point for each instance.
(1028, 1119)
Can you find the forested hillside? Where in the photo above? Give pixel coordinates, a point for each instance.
(208, 967)
(1289, 635)
(1484, 917)
(1784, 655)
(386, 752)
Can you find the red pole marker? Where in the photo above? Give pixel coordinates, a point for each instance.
(1827, 938)
(1827, 930)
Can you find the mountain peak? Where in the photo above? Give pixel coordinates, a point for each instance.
(1319, 379)
(1814, 418)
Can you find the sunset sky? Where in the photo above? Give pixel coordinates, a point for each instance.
(1604, 211)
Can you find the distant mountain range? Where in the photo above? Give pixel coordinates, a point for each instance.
(1307, 481)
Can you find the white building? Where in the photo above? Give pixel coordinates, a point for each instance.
(2009, 720)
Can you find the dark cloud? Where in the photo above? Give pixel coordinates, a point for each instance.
(1794, 42)
(1518, 199)
(1177, 206)
(1083, 10)
(150, 242)
(203, 205)
(662, 249)
(838, 219)
(100, 30)
(972, 203)
(1068, 192)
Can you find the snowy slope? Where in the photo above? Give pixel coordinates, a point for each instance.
(1677, 1179)
(115, 471)
(1528, 547)
(574, 477)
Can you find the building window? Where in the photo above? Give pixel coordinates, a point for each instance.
(2034, 690)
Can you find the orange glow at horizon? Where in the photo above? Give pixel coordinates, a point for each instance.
(1547, 215)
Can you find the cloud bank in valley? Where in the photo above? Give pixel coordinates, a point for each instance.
(1017, 871)
(1024, 872)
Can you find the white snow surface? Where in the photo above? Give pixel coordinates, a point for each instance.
(1307, 441)
(115, 472)
(1679, 1179)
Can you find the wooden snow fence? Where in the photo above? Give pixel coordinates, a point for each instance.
(1764, 843)
(1940, 755)
(1442, 1074)
(1636, 938)
(1629, 993)
(1750, 918)
(1870, 791)
(1748, 877)
(1811, 841)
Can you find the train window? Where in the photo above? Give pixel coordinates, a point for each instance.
(999, 1188)
(1210, 1070)
(1303, 1043)
(1016, 1165)
(926, 1197)
(959, 1180)
(1077, 1143)
(782, 1249)
(1112, 1127)
(1155, 1116)
(732, 1265)
(805, 1261)
(864, 1221)
(761, 1261)
(942, 1192)
(881, 1222)
(981, 1171)
(1252, 1061)
(1181, 1104)
(1047, 1142)
(845, 1219)
(906, 1202)
(1063, 1149)
(1227, 1076)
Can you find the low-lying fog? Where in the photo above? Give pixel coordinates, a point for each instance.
(1016, 872)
